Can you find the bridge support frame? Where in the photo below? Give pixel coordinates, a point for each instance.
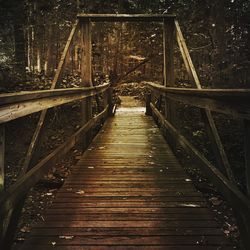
(86, 75)
(168, 72)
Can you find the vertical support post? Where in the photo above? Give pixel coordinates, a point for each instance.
(247, 154)
(86, 74)
(148, 107)
(168, 47)
(168, 69)
(110, 100)
(2, 153)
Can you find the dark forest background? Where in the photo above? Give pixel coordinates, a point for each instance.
(33, 34)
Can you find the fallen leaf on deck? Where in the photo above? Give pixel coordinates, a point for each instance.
(80, 192)
(20, 239)
(25, 229)
(215, 201)
(66, 237)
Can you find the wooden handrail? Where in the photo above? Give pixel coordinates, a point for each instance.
(14, 106)
(11, 98)
(221, 94)
(124, 17)
(234, 102)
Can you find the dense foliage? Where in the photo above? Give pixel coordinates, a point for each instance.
(33, 34)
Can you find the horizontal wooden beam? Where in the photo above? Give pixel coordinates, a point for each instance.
(234, 102)
(19, 189)
(13, 106)
(221, 94)
(226, 187)
(124, 17)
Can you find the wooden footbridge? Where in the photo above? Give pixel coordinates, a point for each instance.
(128, 190)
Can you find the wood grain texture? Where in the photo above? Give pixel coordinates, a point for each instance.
(128, 191)
(124, 17)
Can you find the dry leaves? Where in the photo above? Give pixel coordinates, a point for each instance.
(66, 237)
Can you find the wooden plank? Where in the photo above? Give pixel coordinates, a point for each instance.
(191, 211)
(124, 17)
(226, 101)
(176, 247)
(86, 74)
(232, 95)
(131, 224)
(19, 97)
(126, 231)
(2, 158)
(134, 241)
(116, 197)
(125, 217)
(51, 99)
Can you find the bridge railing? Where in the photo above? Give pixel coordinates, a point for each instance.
(14, 106)
(17, 105)
(161, 103)
(234, 102)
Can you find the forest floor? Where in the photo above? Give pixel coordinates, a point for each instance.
(19, 134)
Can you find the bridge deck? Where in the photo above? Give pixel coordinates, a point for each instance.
(128, 191)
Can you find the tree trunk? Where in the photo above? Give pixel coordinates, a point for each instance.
(20, 58)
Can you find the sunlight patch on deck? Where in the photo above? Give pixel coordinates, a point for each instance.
(134, 109)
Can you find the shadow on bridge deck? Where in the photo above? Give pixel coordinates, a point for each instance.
(128, 191)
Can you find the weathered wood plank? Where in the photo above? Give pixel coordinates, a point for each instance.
(133, 241)
(176, 247)
(126, 231)
(31, 103)
(124, 17)
(129, 194)
(86, 74)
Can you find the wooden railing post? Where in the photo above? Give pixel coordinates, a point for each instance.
(86, 74)
(168, 69)
(110, 100)
(148, 107)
